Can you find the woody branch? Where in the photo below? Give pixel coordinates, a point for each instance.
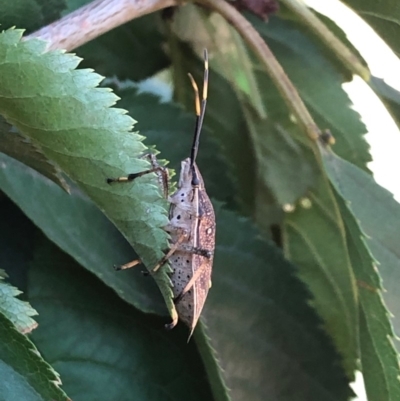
(95, 19)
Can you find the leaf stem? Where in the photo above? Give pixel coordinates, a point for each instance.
(274, 69)
(95, 19)
(348, 58)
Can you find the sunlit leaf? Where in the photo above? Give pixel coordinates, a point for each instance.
(61, 109)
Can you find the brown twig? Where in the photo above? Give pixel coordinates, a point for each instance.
(95, 19)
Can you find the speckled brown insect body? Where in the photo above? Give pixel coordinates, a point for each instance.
(192, 225)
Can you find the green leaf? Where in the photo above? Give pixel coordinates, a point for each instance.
(378, 215)
(78, 227)
(17, 311)
(282, 165)
(201, 29)
(379, 359)
(103, 348)
(61, 109)
(389, 96)
(30, 14)
(15, 145)
(319, 84)
(313, 235)
(211, 363)
(260, 324)
(25, 375)
(383, 16)
(314, 239)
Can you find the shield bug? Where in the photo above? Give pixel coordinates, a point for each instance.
(191, 225)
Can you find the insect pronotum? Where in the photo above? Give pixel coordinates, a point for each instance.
(191, 225)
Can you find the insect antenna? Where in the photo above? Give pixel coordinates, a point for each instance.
(200, 112)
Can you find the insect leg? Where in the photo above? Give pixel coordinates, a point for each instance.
(196, 250)
(128, 265)
(172, 250)
(161, 171)
(191, 282)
